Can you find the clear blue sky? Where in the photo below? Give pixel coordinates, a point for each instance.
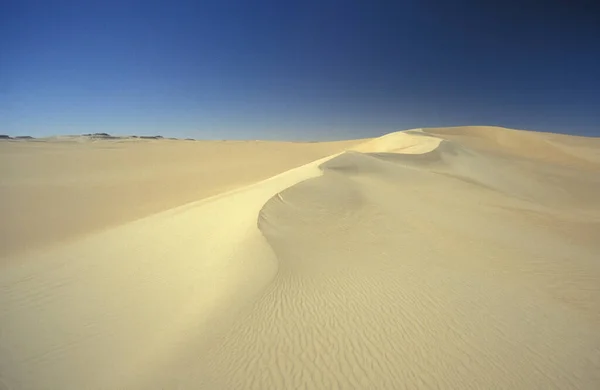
(296, 69)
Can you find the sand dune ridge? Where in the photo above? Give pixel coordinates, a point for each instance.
(425, 259)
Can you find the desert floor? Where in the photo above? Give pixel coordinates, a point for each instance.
(446, 258)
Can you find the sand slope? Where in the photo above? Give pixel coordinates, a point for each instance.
(61, 188)
(436, 258)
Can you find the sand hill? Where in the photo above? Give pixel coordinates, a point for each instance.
(449, 258)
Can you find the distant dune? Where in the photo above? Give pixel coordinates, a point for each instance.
(447, 258)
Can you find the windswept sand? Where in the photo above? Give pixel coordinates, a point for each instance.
(58, 189)
(454, 258)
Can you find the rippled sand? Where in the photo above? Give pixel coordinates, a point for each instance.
(451, 258)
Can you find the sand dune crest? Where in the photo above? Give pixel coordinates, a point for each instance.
(434, 258)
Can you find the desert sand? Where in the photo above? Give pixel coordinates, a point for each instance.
(447, 258)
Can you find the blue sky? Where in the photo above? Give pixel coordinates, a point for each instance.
(296, 70)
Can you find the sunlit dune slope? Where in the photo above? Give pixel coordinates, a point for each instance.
(56, 189)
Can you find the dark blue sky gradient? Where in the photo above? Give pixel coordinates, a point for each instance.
(296, 70)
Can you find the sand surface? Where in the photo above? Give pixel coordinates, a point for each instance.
(450, 258)
(60, 188)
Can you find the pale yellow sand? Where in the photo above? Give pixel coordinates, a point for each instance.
(59, 188)
(461, 258)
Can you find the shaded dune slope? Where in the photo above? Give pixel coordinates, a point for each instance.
(426, 259)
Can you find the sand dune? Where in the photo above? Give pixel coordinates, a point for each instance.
(53, 190)
(455, 258)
